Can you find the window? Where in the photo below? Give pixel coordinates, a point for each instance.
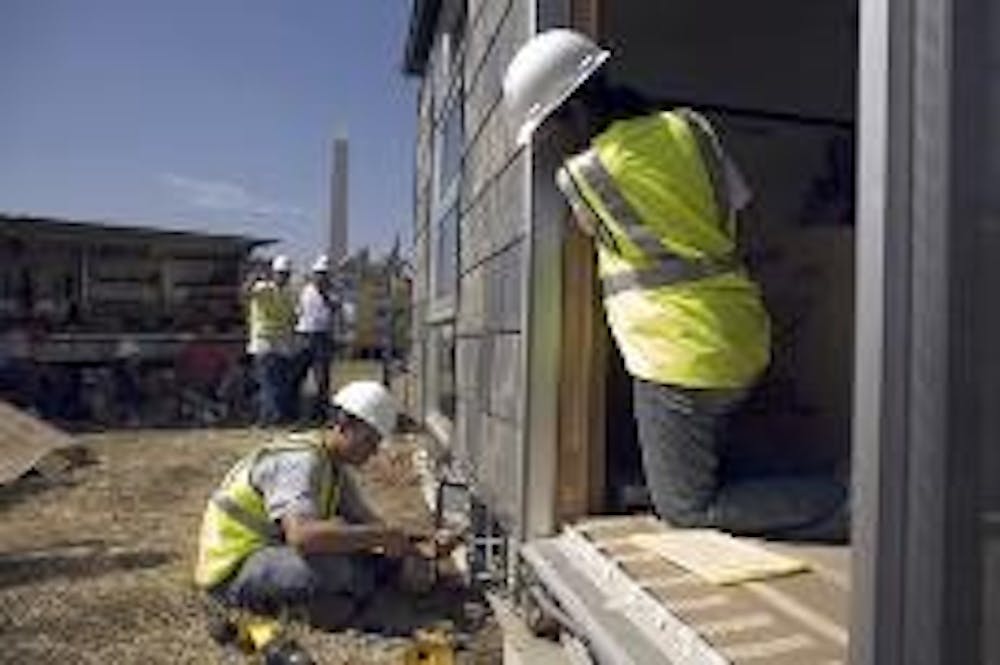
(442, 369)
(448, 142)
(446, 251)
(452, 136)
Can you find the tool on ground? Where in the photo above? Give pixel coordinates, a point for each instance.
(431, 646)
(254, 634)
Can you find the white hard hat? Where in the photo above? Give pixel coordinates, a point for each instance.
(544, 73)
(321, 264)
(371, 402)
(281, 263)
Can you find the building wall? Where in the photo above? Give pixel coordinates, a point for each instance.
(421, 249)
(482, 217)
(492, 241)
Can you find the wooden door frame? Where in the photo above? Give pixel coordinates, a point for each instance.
(581, 451)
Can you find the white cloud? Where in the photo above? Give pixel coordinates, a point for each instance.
(226, 196)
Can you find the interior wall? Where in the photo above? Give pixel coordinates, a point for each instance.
(781, 93)
(798, 239)
(776, 55)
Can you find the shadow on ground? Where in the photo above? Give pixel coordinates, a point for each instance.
(394, 613)
(86, 558)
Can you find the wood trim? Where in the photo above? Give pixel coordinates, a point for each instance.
(585, 16)
(580, 463)
(580, 460)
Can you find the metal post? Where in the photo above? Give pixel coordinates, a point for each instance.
(916, 557)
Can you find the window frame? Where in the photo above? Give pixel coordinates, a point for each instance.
(445, 187)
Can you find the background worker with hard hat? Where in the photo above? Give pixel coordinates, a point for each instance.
(660, 197)
(316, 308)
(289, 529)
(271, 313)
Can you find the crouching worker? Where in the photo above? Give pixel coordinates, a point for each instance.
(289, 529)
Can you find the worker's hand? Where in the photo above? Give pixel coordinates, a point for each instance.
(446, 540)
(417, 534)
(397, 543)
(437, 544)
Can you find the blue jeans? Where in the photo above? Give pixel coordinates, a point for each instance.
(279, 578)
(270, 371)
(680, 436)
(316, 358)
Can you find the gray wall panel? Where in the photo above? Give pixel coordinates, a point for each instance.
(493, 213)
(494, 220)
(497, 473)
(486, 25)
(472, 298)
(507, 380)
(484, 86)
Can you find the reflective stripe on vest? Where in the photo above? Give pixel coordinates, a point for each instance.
(264, 528)
(672, 271)
(714, 160)
(571, 190)
(667, 268)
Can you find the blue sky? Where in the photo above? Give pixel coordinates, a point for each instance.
(207, 114)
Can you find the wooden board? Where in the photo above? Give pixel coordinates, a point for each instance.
(718, 557)
(25, 441)
(580, 461)
(581, 447)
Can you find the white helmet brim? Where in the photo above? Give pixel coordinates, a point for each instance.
(537, 116)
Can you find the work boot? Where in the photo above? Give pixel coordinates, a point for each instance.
(219, 622)
(286, 652)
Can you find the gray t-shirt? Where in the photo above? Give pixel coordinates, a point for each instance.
(289, 481)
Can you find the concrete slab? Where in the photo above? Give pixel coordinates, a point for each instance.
(520, 646)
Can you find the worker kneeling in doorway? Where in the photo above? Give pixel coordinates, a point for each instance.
(289, 528)
(660, 197)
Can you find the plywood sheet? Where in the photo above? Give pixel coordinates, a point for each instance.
(717, 557)
(25, 441)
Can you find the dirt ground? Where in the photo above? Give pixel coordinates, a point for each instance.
(96, 567)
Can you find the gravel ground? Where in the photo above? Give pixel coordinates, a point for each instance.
(96, 568)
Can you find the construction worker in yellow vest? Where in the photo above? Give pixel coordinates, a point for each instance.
(271, 332)
(660, 197)
(289, 528)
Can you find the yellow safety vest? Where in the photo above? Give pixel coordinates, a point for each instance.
(272, 312)
(678, 301)
(235, 523)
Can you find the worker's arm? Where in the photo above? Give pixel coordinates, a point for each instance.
(252, 281)
(329, 297)
(314, 536)
(250, 286)
(586, 218)
(356, 505)
(289, 482)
